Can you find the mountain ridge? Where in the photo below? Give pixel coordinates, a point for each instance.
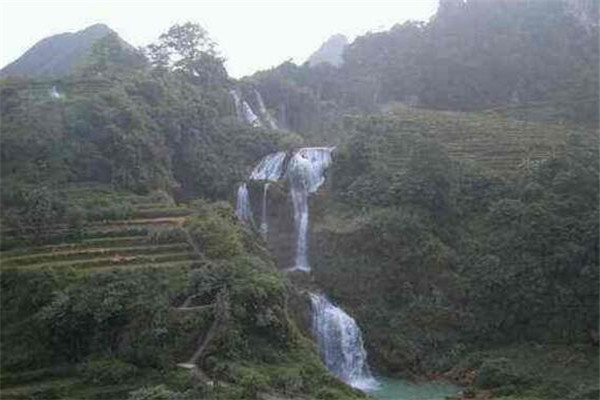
(59, 55)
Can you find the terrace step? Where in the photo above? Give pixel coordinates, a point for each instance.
(116, 260)
(82, 254)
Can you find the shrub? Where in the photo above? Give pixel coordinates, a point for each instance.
(252, 383)
(159, 392)
(107, 371)
(215, 232)
(495, 373)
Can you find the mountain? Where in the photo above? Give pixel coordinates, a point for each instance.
(470, 56)
(58, 55)
(330, 52)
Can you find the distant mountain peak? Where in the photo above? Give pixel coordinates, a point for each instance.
(57, 55)
(330, 52)
(97, 28)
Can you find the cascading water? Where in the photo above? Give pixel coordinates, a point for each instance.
(249, 115)
(306, 174)
(237, 104)
(340, 344)
(264, 223)
(242, 207)
(270, 168)
(338, 336)
(264, 112)
(243, 111)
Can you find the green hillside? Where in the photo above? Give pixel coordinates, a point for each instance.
(124, 299)
(454, 234)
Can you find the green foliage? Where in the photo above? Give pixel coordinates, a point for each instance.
(215, 232)
(569, 372)
(496, 372)
(252, 383)
(128, 124)
(87, 316)
(188, 49)
(471, 55)
(158, 392)
(35, 210)
(107, 371)
(435, 256)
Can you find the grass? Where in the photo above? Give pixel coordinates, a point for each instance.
(504, 146)
(116, 260)
(84, 244)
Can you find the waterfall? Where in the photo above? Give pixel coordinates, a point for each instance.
(243, 111)
(242, 207)
(249, 115)
(238, 105)
(306, 174)
(264, 112)
(338, 336)
(264, 223)
(269, 168)
(340, 343)
(54, 93)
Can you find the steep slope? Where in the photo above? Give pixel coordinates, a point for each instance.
(58, 55)
(160, 298)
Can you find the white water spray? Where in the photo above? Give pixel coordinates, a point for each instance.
(249, 116)
(270, 168)
(242, 207)
(306, 172)
(264, 113)
(341, 344)
(264, 223)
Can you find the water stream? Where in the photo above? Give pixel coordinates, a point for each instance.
(306, 173)
(341, 344)
(400, 389)
(264, 222)
(242, 208)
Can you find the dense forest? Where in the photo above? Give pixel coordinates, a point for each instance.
(457, 222)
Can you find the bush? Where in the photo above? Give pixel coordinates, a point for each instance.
(215, 232)
(252, 383)
(107, 371)
(159, 392)
(495, 373)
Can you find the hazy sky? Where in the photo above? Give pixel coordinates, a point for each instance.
(252, 35)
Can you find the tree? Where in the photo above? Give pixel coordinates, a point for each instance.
(188, 49)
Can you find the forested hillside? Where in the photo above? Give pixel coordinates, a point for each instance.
(454, 213)
(472, 55)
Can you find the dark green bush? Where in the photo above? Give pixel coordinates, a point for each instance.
(107, 371)
(215, 232)
(495, 373)
(158, 392)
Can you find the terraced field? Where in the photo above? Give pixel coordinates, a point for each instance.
(504, 146)
(120, 231)
(149, 233)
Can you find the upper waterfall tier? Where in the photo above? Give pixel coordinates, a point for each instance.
(305, 170)
(307, 167)
(270, 168)
(250, 108)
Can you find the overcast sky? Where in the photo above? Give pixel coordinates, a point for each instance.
(252, 35)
